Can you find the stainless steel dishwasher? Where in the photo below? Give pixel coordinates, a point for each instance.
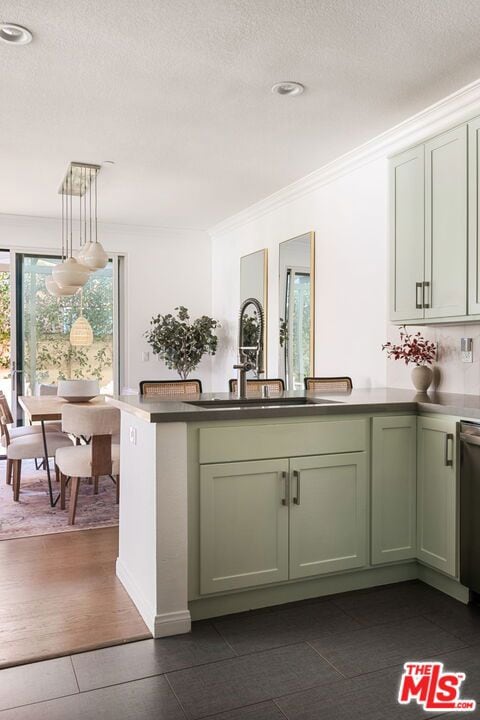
(470, 506)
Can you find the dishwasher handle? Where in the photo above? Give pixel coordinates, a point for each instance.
(470, 439)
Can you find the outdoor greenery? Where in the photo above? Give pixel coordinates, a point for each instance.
(4, 320)
(49, 356)
(182, 343)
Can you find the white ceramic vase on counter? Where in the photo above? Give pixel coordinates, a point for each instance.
(422, 377)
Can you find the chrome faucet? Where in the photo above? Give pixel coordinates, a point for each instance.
(245, 360)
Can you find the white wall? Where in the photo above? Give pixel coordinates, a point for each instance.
(164, 268)
(349, 218)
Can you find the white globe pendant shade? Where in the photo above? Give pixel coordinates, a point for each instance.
(70, 273)
(81, 253)
(81, 333)
(94, 256)
(55, 289)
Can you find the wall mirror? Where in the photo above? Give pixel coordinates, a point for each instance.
(253, 284)
(297, 309)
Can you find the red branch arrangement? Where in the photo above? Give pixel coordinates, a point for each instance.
(413, 349)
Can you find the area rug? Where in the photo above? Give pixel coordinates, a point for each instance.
(32, 515)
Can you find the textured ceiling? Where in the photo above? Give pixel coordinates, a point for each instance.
(177, 92)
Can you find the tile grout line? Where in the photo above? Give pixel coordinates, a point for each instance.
(176, 697)
(74, 673)
(327, 660)
(279, 709)
(224, 639)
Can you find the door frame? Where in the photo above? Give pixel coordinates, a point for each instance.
(17, 254)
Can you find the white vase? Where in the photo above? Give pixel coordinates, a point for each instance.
(422, 377)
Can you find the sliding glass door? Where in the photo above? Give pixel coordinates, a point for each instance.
(43, 353)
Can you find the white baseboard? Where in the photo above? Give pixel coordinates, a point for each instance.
(173, 623)
(146, 610)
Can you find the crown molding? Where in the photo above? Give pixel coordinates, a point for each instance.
(451, 110)
(30, 221)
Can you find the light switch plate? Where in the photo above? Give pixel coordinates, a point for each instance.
(467, 356)
(133, 435)
(145, 356)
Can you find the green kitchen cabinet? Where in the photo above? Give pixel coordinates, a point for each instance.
(394, 488)
(437, 494)
(328, 514)
(473, 217)
(446, 225)
(243, 524)
(407, 231)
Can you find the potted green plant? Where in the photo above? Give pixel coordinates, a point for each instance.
(180, 342)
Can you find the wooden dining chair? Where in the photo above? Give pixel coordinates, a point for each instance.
(28, 446)
(170, 388)
(18, 432)
(254, 386)
(100, 457)
(329, 384)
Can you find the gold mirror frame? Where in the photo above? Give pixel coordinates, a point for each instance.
(264, 299)
(311, 236)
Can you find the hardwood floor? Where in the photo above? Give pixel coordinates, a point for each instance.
(59, 595)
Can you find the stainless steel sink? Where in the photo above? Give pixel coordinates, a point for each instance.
(260, 402)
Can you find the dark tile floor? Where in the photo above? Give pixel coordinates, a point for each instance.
(337, 658)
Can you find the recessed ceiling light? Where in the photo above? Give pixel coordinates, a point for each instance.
(15, 34)
(288, 88)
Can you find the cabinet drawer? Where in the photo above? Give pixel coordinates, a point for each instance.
(257, 442)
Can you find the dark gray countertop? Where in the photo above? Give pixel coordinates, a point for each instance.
(381, 400)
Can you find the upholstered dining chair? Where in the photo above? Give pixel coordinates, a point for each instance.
(329, 384)
(28, 447)
(254, 386)
(170, 388)
(100, 457)
(18, 432)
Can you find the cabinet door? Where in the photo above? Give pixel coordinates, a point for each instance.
(436, 494)
(446, 225)
(407, 231)
(394, 488)
(243, 524)
(473, 217)
(328, 514)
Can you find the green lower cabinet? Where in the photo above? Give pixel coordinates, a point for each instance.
(436, 494)
(243, 525)
(394, 488)
(328, 514)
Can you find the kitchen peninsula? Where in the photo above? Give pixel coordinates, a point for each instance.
(229, 505)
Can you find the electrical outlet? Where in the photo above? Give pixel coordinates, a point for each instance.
(466, 350)
(133, 435)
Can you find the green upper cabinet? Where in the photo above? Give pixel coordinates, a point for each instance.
(407, 231)
(473, 217)
(436, 494)
(446, 225)
(429, 230)
(394, 487)
(243, 524)
(328, 514)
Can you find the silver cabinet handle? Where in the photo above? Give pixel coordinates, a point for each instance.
(426, 287)
(418, 303)
(296, 475)
(285, 494)
(448, 446)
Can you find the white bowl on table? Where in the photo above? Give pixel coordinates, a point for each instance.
(78, 390)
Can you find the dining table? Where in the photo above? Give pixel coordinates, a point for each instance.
(43, 409)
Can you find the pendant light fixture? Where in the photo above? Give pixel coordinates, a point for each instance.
(81, 333)
(51, 284)
(71, 273)
(93, 254)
